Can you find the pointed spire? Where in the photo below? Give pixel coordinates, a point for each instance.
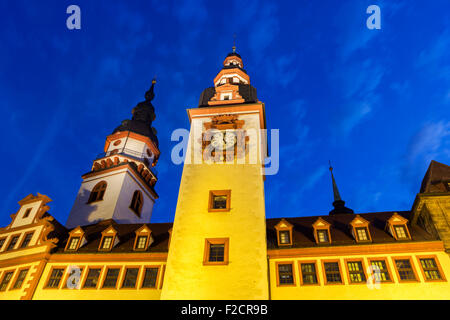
(338, 203)
(150, 94)
(336, 194)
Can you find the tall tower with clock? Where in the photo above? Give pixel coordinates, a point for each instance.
(120, 184)
(218, 244)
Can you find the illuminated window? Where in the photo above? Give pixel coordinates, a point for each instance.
(219, 200)
(20, 279)
(405, 270)
(332, 272)
(141, 242)
(12, 243)
(216, 251)
(107, 242)
(136, 203)
(5, 281)
(400, 231)
(430, 269)
(92, 278)
(130, 279)
(285, 237)
(380, 271)
(362, 235)
(285, 274)
(111, 278)
(356, 272)
(26, 240)
(309, 275)
(73, 244)
(150, 277)
(27, 213)
(322, 236)
(55, 278)
(98, 192)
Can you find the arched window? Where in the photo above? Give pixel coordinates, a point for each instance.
(98, 192)
(136, 203)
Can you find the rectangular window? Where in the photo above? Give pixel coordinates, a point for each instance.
(130, 279)
(92, 278)
(405, 270)
(309, 275)
(380, 271)
(150, 277)
(362, 235)
(2, 242)
(55, 278)
(27, 213)
(141, 242)
(285, 237)
(12, 243)
(26, 240)
(216, 251)
(322, 236)
(6, 279)
(400, 231)
(73, 243)
(20, 279)
(219, 200)
(356, 272)
(107, 241)
(73, 278)
(332, 272)
(430, 269)
(111, 278)
(285, 274)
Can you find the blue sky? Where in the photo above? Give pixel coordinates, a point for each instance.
(374, 102)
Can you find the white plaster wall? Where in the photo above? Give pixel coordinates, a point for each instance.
(20, 221)
(122, 213)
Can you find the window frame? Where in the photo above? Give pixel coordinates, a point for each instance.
(4, 242)
(10, 241)
(158, 275)
(417, 279)
(8, 285)
(394, 227)
(208, 242)
(319, 225)
(318, 238)
(138, 277)
(16, 278)
(388, 268)
(438, 265)
(324, 273)
(106, 233)
(350, 260)
(85, 278)
(300, 272)
(49, 276)
(143, 231)
(277, 270)
(100, 184)
(398, 220)
(118, 280)
(137, 211)
(24, 238)
(213, 193)
(67, 275)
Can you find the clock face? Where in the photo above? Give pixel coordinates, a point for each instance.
(221, 140)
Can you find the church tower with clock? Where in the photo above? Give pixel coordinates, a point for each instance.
(218, 247)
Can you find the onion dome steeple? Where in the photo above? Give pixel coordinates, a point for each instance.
(143, 116)
(338, 203)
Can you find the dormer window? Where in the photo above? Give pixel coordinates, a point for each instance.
(360, 229)
(322, 231)
(397, 227)
(143, 238)
(97, 192)
(108, 240)
(137, 203)
(76, 238)
(141, 242)
(284, 232)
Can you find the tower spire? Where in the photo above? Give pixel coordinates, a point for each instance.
(338, 203)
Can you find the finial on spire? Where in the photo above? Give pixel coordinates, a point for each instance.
(338, 203)
(150, 94)
(234, 43)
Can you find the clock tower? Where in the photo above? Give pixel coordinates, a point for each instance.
(218, 246)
